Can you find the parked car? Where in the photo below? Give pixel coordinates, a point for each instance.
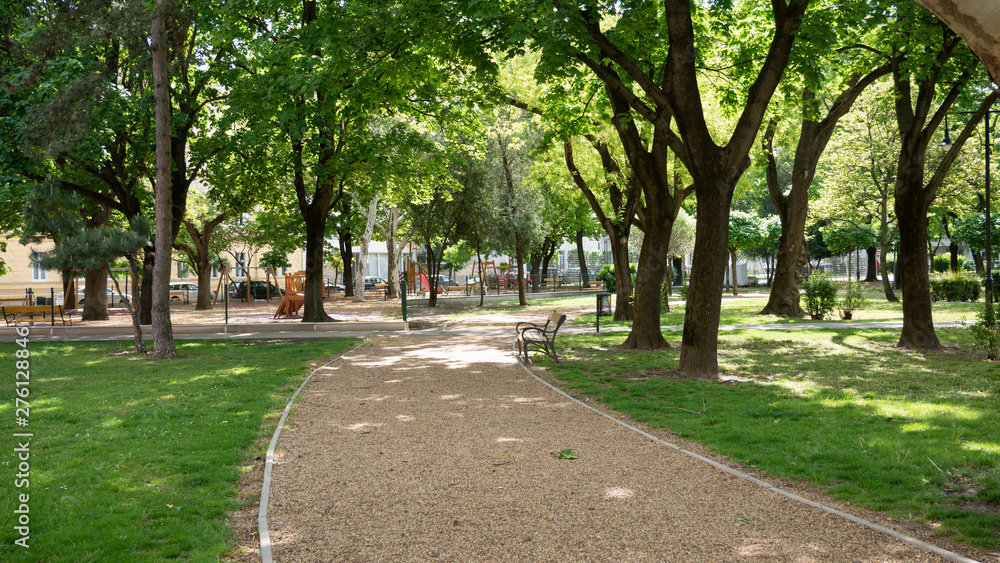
(572, 275)
(185, 291)
(511, 279)
(114, 300)
(372, 283)
(330, 286)
(445, 281)
(258, 289)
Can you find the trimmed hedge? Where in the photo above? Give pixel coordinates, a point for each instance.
(955, 288)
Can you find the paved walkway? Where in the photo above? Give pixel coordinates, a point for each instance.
(423, 448)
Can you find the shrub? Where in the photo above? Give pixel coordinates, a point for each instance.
(854, 299)
(986, 332)
(821, 295)
(607, 275)
(955, 287)
(942, 264)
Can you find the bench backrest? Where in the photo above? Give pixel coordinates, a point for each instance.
(555, 321)
(31, 308)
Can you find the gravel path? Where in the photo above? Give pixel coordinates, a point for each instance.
(418, 449)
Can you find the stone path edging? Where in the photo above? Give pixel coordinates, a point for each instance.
(264, 535)
(830, 510)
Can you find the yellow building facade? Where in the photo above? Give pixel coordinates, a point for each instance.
(24, 276)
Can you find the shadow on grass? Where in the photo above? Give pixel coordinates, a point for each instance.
(911, 433)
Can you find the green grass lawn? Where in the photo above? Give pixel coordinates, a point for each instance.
(745, 311)
(915, 434)
(134, 459)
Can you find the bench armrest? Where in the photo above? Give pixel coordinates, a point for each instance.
(531, 333)
(523, 326)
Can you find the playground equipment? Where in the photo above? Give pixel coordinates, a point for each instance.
(416, 276)
(295, 295)
(500, 274)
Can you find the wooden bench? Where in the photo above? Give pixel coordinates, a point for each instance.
(14, 314)
(540, 337)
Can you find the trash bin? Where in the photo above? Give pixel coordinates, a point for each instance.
(603, 308)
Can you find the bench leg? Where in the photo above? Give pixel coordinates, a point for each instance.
(522, 347)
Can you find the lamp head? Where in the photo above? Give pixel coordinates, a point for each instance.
(947, 140)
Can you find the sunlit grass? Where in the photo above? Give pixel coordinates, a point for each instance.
(915, 434)
(137, 460)
(746, 311)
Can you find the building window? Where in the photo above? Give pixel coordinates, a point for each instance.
(182, 269)
(240, 270)
(38, 273)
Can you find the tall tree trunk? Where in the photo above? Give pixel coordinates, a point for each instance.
(668, 286)
(536, 280)
(548, 251)
(700, 341)
(201, 258)
(659, 221)
(394, 247)
(624, 311)
(582, 259)
(95, 302)
(138, 341)
(366, 237)
(522, 298)
(433, 270)
(481, 275)
(315, 219)
(793, 208)
(346, 247)
(163, 335)
(918, 321)
(732, 280)
(204, 302)
(518, 238)
(917, 123)
(625, 204)
(872, 275)
(884, 242)
(95, 297)
(145, 284)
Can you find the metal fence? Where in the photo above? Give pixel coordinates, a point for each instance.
(225, 309)
(553, 280)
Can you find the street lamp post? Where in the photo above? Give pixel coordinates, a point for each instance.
(989, 226)
(989, 246)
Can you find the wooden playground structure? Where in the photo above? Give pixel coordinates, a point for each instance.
(291, 301)
(295, 295)
(418, 281)
(500, 278)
